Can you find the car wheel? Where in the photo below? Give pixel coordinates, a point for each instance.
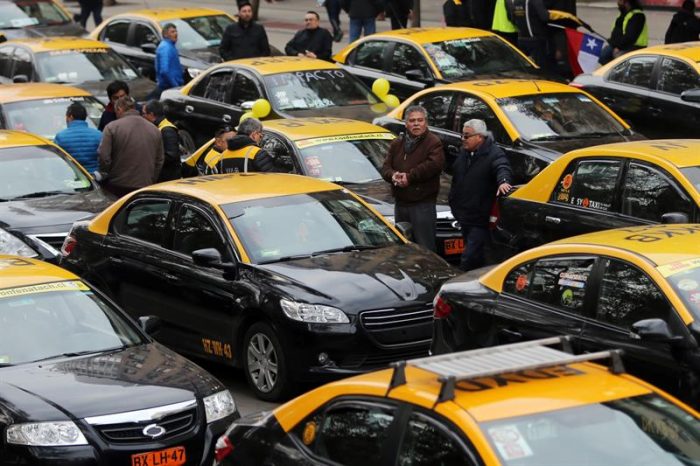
(265, 364)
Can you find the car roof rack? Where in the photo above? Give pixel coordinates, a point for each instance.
(486, 362)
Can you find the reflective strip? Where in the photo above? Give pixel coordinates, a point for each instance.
(346, 137)
(73, 285)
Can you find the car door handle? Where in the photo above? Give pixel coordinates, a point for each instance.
(511, 334)
(226, 118)
(189, 109)
(554, 220)
(171, 278)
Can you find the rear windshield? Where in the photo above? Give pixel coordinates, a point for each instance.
(30, 13)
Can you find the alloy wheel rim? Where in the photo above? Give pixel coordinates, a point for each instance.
(262, 362)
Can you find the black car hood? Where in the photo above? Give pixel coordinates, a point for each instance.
(139, 89)
(136, 378)
(207, 55)
(378, 193)
(389, 277)
(59, 30)
(52, 213)
(353, 112)
(556, 148)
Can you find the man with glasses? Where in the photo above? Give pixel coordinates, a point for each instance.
(413, 167)
(313, 41)
(243, 153)
(479, 174)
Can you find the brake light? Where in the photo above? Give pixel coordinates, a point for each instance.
(494, 215)
(576, 85)
(441, 308)
(68, 245)
(224, 448)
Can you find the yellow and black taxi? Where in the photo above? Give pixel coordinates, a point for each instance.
(36, 18)
(84, 385)
(415, 58)
(85, 63)
(601, 187)
(635, 288)
(43, 191)
(293, 86)
(527, 404)
(346, 152)
(41, 108)
(533, 121)
(293, 278)
(136, 34)
(657, 89)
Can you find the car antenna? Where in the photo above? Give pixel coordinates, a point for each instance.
(534, 81)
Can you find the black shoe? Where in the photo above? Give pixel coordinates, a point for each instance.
(338, 35)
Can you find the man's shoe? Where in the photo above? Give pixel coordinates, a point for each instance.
(338, 36)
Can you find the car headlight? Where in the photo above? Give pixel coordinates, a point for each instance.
(193, 72)
(10, 244)
(219, 405)
(46, 434)
(314, 313)
(391, 219)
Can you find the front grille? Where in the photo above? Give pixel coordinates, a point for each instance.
(52, 240)
(384, 319)
(379, 359)
(132, 432)
(447, 226)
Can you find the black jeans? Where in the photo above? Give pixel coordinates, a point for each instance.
(90, 6)
(475, 239)
(536, 48)
(333, 10)
(422, 217)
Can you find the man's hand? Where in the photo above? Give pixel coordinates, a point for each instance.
(310, 54)
(503, 189)
(381, 16)
(400, 179)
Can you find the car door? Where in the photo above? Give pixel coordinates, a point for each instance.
(143, 40)
(627, 90)
(627, 295)
(246, 89)
(681, 118)
(368, 61)
(403, 58)
(116, 34)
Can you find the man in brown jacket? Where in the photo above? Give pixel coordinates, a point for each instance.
(413, 167)
(131, 152)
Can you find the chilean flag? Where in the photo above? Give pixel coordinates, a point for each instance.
(584, 51)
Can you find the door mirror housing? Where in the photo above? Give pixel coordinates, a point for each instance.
(691, 95)
(20, 78)
(419, 76)
(655, 330)
(247, 105)
(210, 257)
(674, 217)
(406, 229)
(149, 324)
(149, 47)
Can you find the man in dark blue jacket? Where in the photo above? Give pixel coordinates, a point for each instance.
(480, 173)
(78, 139)
(168, 67)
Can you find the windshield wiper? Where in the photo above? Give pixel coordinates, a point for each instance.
(42, 194)
(551, 137)
(352, 247)
(80, 353)
(286, 258)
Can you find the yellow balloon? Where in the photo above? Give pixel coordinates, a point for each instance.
(380, 87)
(392, 101)
(261, 108)
(245, 116)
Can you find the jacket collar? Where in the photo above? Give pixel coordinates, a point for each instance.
(77, 123)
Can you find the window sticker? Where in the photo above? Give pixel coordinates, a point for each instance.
(573, 280)
(567, 181)
(678, 267)
(567, 297)
(76, 184)
(73, 285)
(583, 98)
(687, 284)
(694, 297)
(4, 359)
(309, 434)
(509, 442)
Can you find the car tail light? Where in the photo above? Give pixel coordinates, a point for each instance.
(441, 308)
(576, 85)
(68, 245)
(494, 215)
(224, 448)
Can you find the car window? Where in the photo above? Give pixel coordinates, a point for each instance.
(46, 117)
(437, 105)
(351, 434)
(649, 193)
(469, 107)
(280, 153)
(144, 34)
(518, 280)
(6, 61)
(371, 54)
(562, 282)
(426, 443)
(407, 57)
(628, 295)
(676, 77)
(194, 231)
(215, 86)
(524, 166)
(116, 32)
(591, 185)
(200, 32)
(636, 71)
(145, 220)
(79, 66)
(244, 90)
(23, 63)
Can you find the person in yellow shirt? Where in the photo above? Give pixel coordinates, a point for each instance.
(630, 31)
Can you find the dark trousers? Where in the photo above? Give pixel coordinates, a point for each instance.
(475, 239)
(511, 37)
(360, 25)
(333, 10)
(536, 49)
(118, 191)
(422, 218)
(90, 6)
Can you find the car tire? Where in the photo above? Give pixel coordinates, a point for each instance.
(186, 145)
(265, 364)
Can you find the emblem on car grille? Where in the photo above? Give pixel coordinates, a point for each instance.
(153, 430)
(456, 226)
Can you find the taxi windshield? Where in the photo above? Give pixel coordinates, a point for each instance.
(79, 66)
(46, 117)
(552, 117)
(693, 175)
(38, 171)
(304, 90)
(686, 283)
(647, 428)
(462, 58)
(37, 323)
(20, 14)
(346, 161)
(303, 225)
(199, 32)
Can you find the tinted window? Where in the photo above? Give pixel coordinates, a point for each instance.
(405, 58)
(518, 280)
(627, 295)
(469, 107)
(636, 71)
(146, 220)
(200, 32)
(244, 90)
(144, 35)
(217, 86)
(23, 63)
(677, 77)
(648, 193)
(371, 54)
(427, 444)
(438, 106)
(524, 166)
(194, 231)
(351, 435)
(116, 32)
(561, 282)
(280, 153)
(590, 186)
(6, 61)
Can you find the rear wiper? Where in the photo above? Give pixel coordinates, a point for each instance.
(42, 194)
(350, 248)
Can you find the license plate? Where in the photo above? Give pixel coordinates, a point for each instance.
(454, 246)
(170, 457)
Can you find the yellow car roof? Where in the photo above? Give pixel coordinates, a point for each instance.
(429, 35)
(21, 271)
(499, 88)
(164, 14)
(48, 44)
(679, 152)
(688, 51)
(298, 129)
(11, 138)
(35, 91)
(273, 65)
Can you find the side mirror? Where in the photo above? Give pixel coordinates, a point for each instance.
(691, 95)
(20, 78)
(149, 324)
(674, 217)
(406, 229)
(149, 47)
(418, 76)
(247, 105)
(208, 257)
(655, 330)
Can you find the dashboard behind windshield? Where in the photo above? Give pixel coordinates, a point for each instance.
(46, 117)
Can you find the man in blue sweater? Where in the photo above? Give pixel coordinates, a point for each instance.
(168, 67)
(78, 139)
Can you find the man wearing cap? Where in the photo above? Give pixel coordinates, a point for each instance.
(480, 173)
(244, 38)
(243, 153)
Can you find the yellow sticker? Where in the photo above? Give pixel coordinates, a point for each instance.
(73, 285)
(346, 137)
(678, 267)
(309, 433)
